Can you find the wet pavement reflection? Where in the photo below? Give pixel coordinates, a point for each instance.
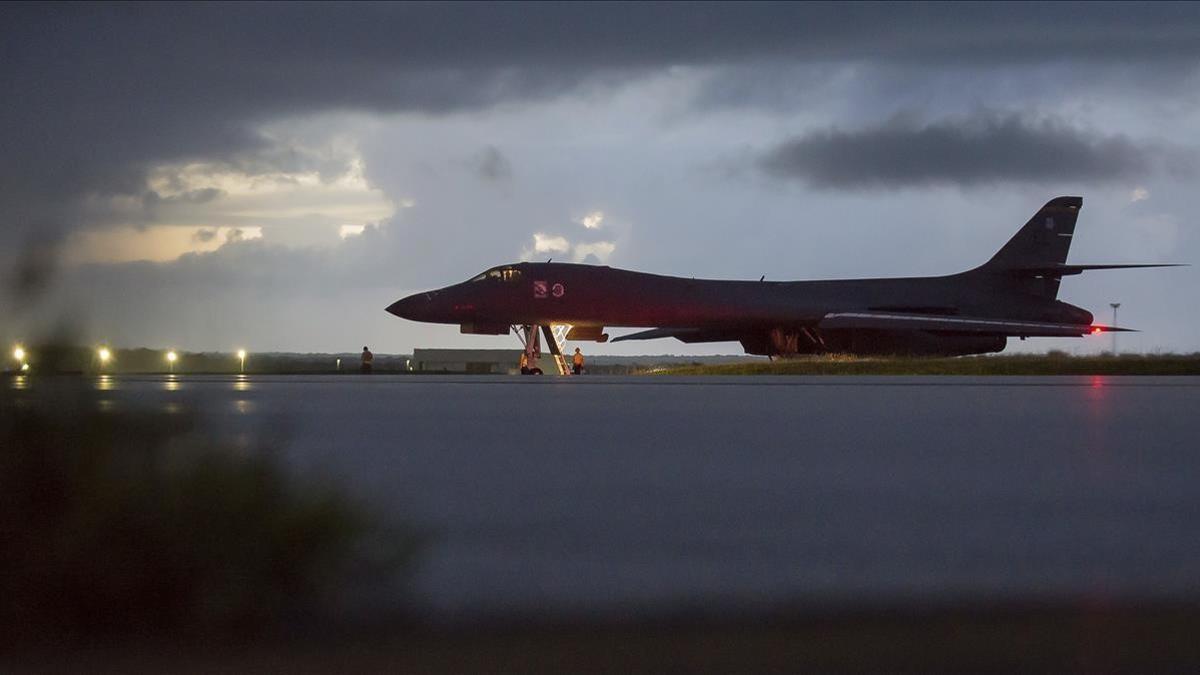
(653, 489)
(242, 383)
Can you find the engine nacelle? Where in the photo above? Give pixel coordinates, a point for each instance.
(587, 334)
(484, 328)
(910, 343)
(781, 342)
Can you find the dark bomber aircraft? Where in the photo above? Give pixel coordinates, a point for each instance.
(1011, 295)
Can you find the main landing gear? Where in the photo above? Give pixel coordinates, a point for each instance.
(556, 338)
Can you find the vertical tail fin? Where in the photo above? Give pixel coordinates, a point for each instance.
(1042, 243)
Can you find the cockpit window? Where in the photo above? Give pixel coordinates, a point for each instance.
(505, 274)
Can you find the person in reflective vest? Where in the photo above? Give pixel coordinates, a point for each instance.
(367, 360)
(577, 360)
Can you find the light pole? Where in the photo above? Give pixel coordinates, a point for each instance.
(19, 355)
(104, 355)
(242, 359)
(1114, 306)
(171, 357)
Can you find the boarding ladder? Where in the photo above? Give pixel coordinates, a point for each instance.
(556, 340)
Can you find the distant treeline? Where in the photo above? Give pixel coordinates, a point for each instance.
(75, 359)
(1051, 363)
(86, 360)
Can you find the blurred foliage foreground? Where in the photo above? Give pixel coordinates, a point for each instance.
(121, 524)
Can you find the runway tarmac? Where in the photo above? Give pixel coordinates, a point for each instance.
(623, 496)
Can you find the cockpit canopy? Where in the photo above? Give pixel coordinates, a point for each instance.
(505, 274)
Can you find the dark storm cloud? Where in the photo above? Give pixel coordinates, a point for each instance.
(95, 94)
(493, 166)
(983, 148)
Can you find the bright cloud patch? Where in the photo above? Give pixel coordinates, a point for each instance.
(300, 208)
(598, 251)
(550, 244)
(592, 220)
(1139, 194)
(194, 208)
(579, 245)
(158, 243)
(351, 230)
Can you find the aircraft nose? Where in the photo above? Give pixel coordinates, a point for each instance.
(410, 307)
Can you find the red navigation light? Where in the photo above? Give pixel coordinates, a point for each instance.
(1097, 329)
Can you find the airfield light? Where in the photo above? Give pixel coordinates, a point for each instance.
(104, 356)
(171, 358)
(1115, 306)
(24, 367)
(19, 353)
(242, 359)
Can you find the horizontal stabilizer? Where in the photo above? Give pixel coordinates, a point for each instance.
(955, 324)
(1068, 270)
(689, 335)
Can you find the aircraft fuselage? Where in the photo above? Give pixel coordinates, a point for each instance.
(1013, 294)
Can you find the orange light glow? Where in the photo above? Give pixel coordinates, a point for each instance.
(1096, 329)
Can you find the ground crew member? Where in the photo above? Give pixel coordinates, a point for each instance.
(578, 361)
(524, 363)
(367, 359)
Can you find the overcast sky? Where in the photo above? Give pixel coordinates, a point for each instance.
(272, 176)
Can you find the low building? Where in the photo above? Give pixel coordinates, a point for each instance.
(468, 361)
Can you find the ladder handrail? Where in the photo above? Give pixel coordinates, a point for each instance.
(556, 337)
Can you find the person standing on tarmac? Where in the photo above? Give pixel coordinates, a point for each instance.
(524, 363)
(367, 359)
(577, 360)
